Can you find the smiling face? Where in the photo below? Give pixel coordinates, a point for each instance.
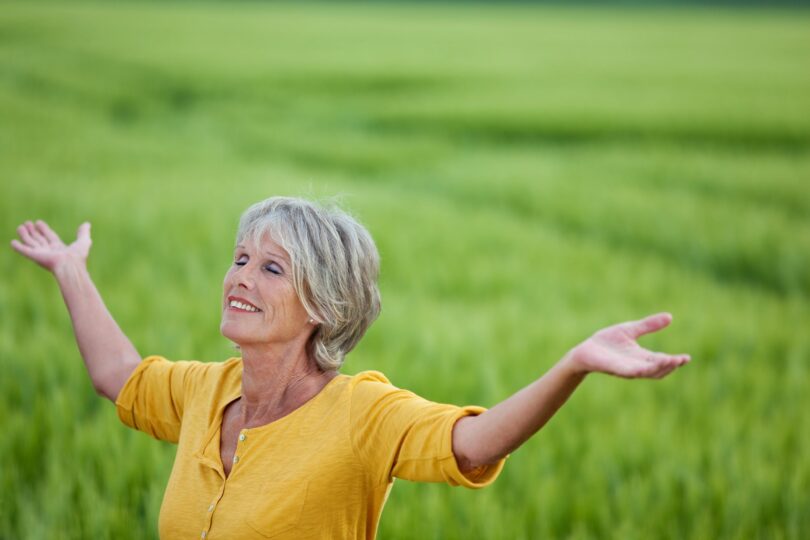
(259, 303)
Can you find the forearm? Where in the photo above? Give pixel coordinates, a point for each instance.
(484, 439)
(108, 354)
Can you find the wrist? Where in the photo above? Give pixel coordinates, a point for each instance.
(68, 269)
(572, 366)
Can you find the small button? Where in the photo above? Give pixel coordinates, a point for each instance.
(211, 508)
(236, 459)
(203, 534)
(242, 437)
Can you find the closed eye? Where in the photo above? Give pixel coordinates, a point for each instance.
(272, 267)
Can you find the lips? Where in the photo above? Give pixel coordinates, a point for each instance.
(241, 303)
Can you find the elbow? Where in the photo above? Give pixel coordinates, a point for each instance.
(475, 464)
(468, 464)
(104, 391)
(109, 383)
(469, 450)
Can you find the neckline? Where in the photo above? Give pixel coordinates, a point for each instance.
(209, 452)
(305, 405)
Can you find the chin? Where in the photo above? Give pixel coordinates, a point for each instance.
(229, 334)
(236, 337)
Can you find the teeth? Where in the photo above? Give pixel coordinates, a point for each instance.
(240, 305)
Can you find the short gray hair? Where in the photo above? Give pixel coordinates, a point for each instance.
(335, 266)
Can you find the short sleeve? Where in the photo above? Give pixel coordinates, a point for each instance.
(153, 398)
(399, 434)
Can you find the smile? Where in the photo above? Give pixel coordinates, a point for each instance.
(242, 307)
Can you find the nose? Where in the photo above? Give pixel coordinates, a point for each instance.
(241, 276)
(244, 278)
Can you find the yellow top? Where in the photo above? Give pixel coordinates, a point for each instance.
(322, 471)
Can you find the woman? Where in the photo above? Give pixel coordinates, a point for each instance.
(278, 443)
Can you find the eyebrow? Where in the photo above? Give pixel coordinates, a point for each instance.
(270, 253)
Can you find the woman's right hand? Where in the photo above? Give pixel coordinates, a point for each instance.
(108, 354)
(44, 247)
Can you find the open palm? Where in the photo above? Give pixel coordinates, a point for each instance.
(43, 246)
(614, 350)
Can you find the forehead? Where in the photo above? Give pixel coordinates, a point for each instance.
(266, 245)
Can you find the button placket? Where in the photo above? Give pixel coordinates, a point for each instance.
(211, 507)
(239, 445)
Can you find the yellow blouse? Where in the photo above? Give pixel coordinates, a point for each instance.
(322, 471)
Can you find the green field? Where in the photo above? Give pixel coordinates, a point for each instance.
(530, 174)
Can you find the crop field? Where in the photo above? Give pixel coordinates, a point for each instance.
(530, 175)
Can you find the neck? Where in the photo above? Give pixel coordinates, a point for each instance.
(277, 379)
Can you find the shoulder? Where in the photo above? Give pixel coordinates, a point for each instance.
(373, 390)
(214, 375)
(368, 376)
(370, 382)
(220, 369)
(187, 373)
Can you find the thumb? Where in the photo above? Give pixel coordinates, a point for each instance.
(84, 231)
(650, 324)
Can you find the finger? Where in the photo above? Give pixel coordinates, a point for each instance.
(651, 365)
(46, 231)
(638, 370)
(664, 372)
(678, 360)
(646, 371)
(683, 359)
(667, 363)
(84, 231)
(22, 249)
(657, 357)
(647, 325)
(22, 230)
(35, 234)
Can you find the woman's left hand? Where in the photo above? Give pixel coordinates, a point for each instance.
(488, 437)
(613, 350)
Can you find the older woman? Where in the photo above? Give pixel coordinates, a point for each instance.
(278, 443)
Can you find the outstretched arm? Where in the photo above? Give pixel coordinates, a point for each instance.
(108, 354)
(487, 438)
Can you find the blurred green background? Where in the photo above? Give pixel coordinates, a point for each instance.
(530, 174)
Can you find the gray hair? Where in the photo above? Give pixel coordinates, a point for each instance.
(335, 266)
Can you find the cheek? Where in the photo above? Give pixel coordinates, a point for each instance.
(290, 308)
(227, 277)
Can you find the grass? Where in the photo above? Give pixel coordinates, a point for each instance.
(530, 174)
